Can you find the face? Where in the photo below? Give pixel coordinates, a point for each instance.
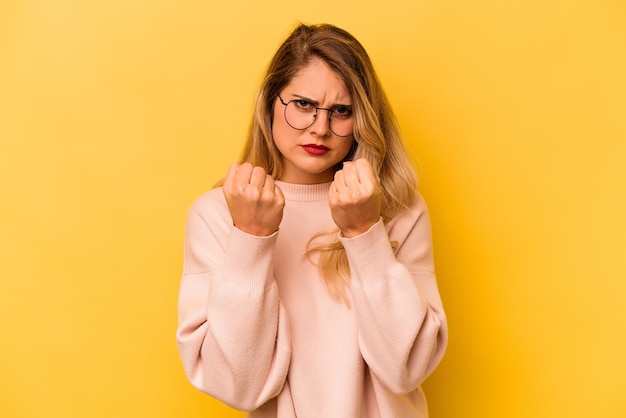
(310, 155)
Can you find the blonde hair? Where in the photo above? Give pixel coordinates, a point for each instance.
(376, 133)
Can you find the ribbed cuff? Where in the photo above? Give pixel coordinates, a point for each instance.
(370, 251)
(249, 258)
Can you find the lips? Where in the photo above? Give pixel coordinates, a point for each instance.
(315, 149)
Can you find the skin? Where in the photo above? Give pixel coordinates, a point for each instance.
(355, 198)
(318, 84)
(255, 201)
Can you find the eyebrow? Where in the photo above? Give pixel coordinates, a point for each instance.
(316, 103)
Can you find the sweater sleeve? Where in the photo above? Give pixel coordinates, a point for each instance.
(401, 323)
(232, 332)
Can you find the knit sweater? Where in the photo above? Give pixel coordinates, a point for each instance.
(259, 330)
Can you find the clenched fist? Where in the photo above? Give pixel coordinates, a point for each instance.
(255, 202)
(354, 198)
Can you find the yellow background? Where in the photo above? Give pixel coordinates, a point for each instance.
(115, 115)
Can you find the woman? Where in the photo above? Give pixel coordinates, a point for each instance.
(308, 287)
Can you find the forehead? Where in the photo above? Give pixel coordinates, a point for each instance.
(319, 82)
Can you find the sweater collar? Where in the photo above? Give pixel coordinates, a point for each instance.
(304, 192)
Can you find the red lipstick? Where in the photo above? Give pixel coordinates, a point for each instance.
(315, 149)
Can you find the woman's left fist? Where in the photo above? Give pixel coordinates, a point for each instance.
(354, 198)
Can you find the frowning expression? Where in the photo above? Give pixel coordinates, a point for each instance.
(311, 154)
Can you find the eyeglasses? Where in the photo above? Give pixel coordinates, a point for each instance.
(300, 114)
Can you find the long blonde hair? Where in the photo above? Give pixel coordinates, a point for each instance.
(376, 133)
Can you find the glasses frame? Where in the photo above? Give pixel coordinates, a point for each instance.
(317, 109)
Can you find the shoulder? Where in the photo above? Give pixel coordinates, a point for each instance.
(211, 199)
(210, 205)
(413, 212)
(415, 215)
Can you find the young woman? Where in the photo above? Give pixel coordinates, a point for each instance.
(308, 287)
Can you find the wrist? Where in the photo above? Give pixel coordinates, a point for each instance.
(259, 232)
(357, 230)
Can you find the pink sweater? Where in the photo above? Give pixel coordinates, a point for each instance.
(259, 331)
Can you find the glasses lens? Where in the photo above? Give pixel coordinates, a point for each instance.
(341, 122)
(301, 114)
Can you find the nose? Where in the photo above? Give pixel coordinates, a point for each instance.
(321, 124)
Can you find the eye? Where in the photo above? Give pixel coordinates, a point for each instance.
(343, 111)
(304, 105)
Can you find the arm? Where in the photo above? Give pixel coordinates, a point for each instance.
(402, 325)
(232, 333)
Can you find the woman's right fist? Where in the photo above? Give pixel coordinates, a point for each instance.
(254, 200)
